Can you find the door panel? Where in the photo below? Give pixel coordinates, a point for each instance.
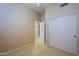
(62, 33)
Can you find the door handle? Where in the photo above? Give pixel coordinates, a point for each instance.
(74, 36)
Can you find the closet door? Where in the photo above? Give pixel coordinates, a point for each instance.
(62, 33)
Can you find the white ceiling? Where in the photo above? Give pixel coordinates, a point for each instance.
(39, 9)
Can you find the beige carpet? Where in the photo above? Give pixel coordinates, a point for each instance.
(38, 50)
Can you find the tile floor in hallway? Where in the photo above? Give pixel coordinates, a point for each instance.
(38, 50)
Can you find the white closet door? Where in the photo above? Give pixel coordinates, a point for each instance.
(62, 33)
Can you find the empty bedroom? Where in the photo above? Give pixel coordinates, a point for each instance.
(39, 29)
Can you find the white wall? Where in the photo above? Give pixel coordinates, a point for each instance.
(17, 26)
(42, 30)
(55, 11)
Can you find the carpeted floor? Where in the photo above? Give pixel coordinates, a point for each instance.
(38, 50)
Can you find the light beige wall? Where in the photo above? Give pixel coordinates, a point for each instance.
(55, 11)
(42, 17)
(17, 26)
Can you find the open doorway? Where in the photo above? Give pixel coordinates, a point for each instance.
(39, 32)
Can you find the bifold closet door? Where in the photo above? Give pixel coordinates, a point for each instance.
(62, 33)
